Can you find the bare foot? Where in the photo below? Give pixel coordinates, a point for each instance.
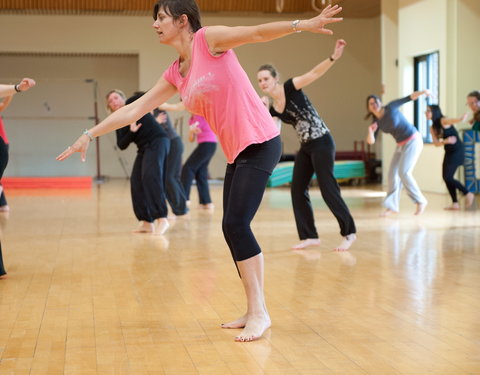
(6, 208)
(387, 212)
(469, 199)
(307, 243)
(162, 225)
(4, 276)
(454, 207)
(144, 227)
(420, 208)
(208, 206)
(255, 326)
(346, 243)
(239, 323)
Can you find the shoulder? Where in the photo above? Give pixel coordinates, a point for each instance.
(289, 86)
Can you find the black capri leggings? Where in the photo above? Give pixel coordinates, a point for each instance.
(244, 185)
(3, 165)
(451, 162)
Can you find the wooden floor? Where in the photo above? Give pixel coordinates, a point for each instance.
(86, 296)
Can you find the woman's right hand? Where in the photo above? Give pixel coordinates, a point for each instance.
(80, 145)
(373, 127)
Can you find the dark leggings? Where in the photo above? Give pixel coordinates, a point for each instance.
(2, 268)
(451, 162)
(244, 185)
(196, 167)
(3, 165)
(318, 156)
(147, 182)
(174, 188)
(3, 200)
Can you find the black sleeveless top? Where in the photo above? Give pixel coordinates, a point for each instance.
(457, 146)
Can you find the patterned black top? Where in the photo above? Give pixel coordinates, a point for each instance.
(300, 113)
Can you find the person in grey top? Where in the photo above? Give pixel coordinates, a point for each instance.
(390, 120)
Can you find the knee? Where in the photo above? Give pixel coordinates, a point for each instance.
(232, 226)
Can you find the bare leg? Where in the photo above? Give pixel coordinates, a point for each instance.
(207, 206)
(469, 199)
(346, 243)
(307, 243)
(256, 321)
(144, 227)
(162, 225)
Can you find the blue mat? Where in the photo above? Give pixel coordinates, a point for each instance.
(343, 170)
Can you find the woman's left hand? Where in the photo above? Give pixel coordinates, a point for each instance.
(317, 24)
(80, 145)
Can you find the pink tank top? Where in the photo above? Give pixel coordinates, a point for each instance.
(217, 88)
(206, 134)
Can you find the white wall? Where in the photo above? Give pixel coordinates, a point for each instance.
(339, 96)
(451, 27)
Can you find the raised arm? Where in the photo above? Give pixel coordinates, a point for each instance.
(9, 90)
(415, 95)
(129, 113)
(320, 69)
(223, 38)
(451, 121)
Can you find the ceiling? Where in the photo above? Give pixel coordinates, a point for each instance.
(351, 8)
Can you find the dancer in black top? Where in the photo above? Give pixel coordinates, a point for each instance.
(444, 134)
(7, 91)
(317, 151)
(147, 181)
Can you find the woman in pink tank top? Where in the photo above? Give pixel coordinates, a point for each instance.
(212, 84)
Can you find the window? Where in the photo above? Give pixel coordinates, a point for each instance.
(426, 78)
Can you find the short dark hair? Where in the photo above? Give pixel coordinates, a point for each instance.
(176, 8)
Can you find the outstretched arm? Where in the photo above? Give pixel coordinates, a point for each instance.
(9, 90)
(129, 113)
(415, 95)
(223, 38)
(319, 70)
(450, 121)
(176, 107)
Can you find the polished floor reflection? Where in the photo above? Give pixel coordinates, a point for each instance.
(85, 295)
